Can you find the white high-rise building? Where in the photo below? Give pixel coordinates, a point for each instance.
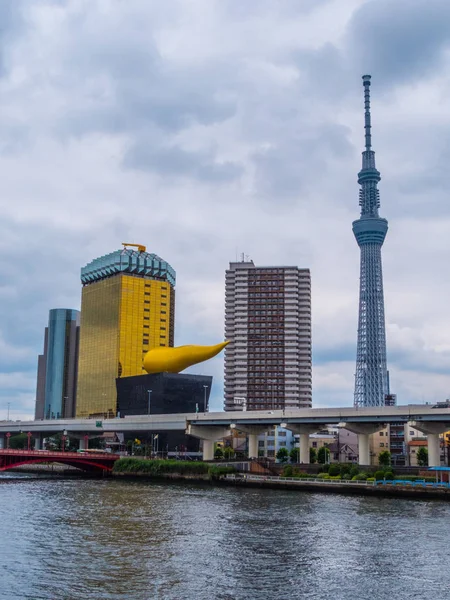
(268, 363)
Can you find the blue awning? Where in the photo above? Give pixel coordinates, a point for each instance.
(439, 468)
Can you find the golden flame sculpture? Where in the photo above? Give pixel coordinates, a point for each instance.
(174, 360)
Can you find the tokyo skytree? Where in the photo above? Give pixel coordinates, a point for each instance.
(371, 379)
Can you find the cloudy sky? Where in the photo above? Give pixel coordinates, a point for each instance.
(207, 128)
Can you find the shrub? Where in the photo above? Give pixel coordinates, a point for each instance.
(299, 474)
(217, 471)
(287, 471)
(160, 467)
(370, 479)
(334, 470)
(354, 470)
(359, 477)
(323, 476)
(389, 476)
(324, 468)
(334, 477)
(345, 468)
(378, 475)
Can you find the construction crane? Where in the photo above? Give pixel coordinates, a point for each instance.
(138, 246)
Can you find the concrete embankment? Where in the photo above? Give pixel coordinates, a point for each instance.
(393, 490)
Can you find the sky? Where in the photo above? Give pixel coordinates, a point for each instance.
(204, 129)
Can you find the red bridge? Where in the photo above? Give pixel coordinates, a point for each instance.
(87, 460)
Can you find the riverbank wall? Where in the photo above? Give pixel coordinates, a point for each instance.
(387, 490)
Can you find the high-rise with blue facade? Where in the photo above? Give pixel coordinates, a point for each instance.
(58, 366)
(371, 380)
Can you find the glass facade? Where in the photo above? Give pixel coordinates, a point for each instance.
(126, 309)
(57, 370)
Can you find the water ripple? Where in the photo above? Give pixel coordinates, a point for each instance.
(115, 540)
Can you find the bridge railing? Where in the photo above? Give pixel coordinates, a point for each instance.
(313, 480)
(67, 454)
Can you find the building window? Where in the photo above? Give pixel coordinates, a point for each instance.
(146, 310)
(145, 342)
(146, 293)
(146, 326)
(381, 445)
(314, 444)
(261, 443)
(146, 301)
(146, 319)
(163, 312)
(381, 433)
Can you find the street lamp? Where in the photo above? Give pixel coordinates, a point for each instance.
(8, 435)
(205, 407)
(149, 392)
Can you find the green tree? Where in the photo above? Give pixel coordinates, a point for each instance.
(228, 452)
(218, 454)
(282, 455)
(312, 455)
(422, 456)
(18, 442)
(323, 455)
(294, 455)
(384, 458)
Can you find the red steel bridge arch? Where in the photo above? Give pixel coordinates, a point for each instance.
(9, 459)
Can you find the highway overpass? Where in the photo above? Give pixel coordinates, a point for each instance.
(215, 425)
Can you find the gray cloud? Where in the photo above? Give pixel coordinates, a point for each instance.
(216, 128)
(400, 41)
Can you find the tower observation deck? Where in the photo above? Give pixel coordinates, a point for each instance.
(371, 382)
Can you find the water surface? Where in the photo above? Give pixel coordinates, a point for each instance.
(105, 539)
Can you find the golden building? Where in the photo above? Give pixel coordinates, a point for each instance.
(127, 308)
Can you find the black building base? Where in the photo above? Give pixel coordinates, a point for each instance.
(163, 394)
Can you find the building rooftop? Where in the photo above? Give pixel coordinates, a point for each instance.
(129, 261)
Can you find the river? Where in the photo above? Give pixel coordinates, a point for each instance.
(77, 539)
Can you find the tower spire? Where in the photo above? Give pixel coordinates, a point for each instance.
(367, 123)
(370, 230)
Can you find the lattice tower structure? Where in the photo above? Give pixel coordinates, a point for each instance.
(371, 380)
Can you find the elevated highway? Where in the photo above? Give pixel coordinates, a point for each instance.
(212, 426)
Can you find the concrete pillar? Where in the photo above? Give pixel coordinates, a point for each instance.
(363, 449)
(208, 450)
(432, 429)
(364, 430)
(434, 450)
(209, 434)
(303, 431)
(253, 445)
(2, 441)
(304, 448)
(81, 444)
(252, 432)
(38, 441)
